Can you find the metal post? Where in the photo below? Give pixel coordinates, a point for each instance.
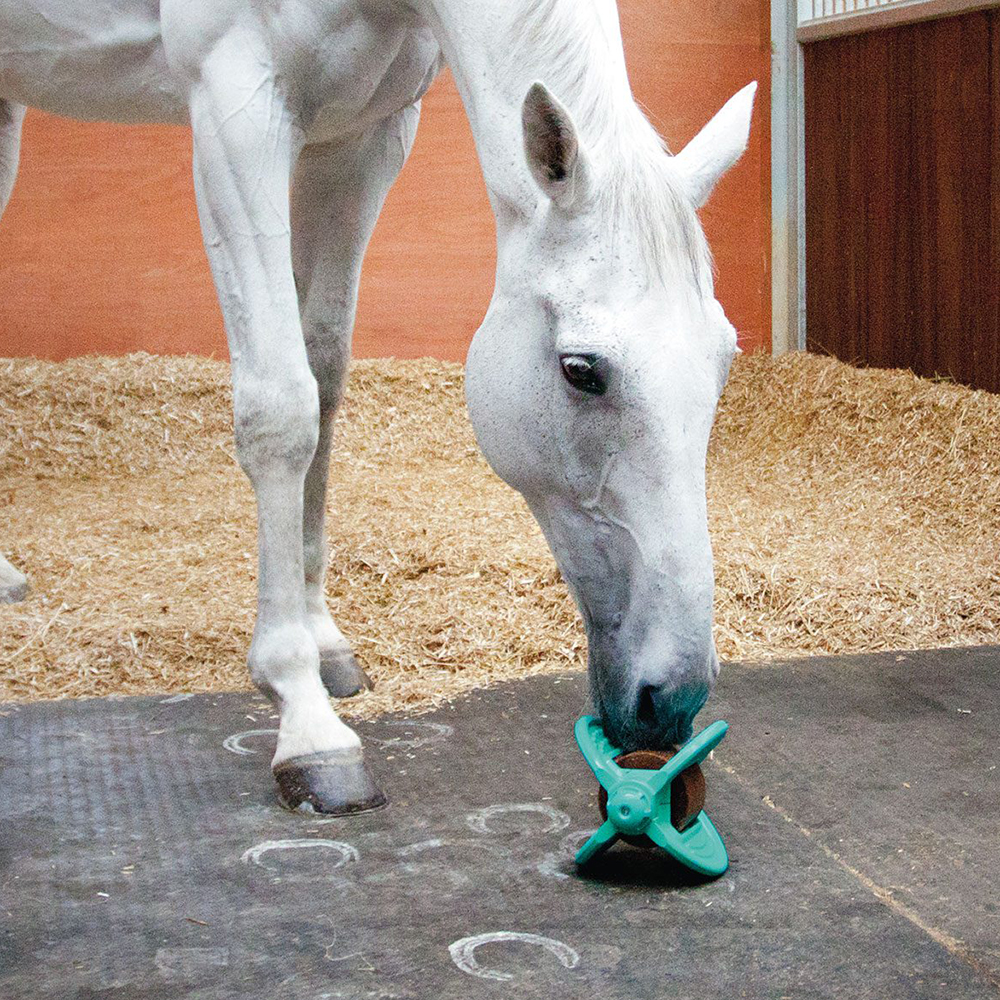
(788, 329)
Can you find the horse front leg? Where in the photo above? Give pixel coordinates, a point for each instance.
(13, 583)
(245, 144)
(337, 194)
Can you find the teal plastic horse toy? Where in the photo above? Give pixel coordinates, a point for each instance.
(639, 801)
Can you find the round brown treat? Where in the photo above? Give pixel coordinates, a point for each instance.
(687, 793)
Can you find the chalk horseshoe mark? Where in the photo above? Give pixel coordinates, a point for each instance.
(551, 864)
(463, 952)
(479, 822)
(420, 847)
(176, 699)
(423, 846)
(346, 853)
(234, 743)
(436, 732)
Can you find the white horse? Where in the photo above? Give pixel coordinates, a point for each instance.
(593, 380)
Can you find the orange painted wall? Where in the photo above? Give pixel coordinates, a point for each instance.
(100, 248)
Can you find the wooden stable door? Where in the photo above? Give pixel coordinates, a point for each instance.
(902, 136)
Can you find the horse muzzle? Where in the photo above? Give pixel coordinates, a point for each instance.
(652, 709)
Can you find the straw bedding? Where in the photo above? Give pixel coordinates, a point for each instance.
(850, 511)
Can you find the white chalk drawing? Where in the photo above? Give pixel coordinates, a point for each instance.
(479, 821)
(234, 743)
(420, 847)
(345, 852)
(176, 698)
(463, 952)
(434, 732)
(428, 872)
(553, 863)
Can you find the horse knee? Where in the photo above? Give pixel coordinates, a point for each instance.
(276, 423)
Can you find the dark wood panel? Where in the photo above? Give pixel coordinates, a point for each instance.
(991, 350)
(902, 207)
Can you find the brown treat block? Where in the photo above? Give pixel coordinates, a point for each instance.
(687, 793)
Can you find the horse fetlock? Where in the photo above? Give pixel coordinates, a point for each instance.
(308, 725)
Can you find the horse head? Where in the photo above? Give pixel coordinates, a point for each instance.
(592, 386)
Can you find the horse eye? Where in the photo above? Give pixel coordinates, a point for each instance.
(586, 372)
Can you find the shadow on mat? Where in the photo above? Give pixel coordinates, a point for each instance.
(640, 868)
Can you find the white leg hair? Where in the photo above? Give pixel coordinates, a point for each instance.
(11, 120)
(337, 194)
(245, 144)
(13, 583)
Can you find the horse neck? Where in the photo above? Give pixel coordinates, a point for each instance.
(497, 48)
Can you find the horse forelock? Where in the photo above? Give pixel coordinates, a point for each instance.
(574, 47)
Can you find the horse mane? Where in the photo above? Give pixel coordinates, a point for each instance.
(575, 48)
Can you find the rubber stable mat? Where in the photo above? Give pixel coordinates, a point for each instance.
(143, 855)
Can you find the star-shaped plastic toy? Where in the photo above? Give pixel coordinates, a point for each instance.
(639, 801)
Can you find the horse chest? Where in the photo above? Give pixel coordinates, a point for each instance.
(345, 68)
(357, 85)
(344, 63)
(90, 61)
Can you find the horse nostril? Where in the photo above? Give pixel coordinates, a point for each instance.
(646, 712)
(663, 712)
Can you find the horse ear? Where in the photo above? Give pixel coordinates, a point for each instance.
(552, 146)
(717, 146)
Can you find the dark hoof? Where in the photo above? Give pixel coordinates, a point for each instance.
(12, 593)
(335, 782)
(342, 674)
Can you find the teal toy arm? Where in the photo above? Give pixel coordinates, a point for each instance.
(693, 752)
(699, 846)
(605, 836)
(597, 750)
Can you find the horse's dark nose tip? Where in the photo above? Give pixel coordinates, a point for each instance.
(646, 711)
(664, 713)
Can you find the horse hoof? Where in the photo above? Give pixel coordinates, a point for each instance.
(11, 593)
(342, 675)
(335, 782)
